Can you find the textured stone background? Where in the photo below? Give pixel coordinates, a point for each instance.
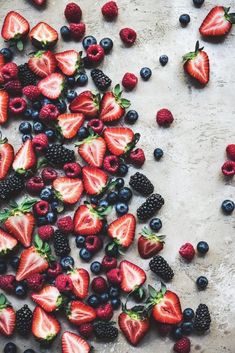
(189, 175)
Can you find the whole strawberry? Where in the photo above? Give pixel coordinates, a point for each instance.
(182, 346)
(65, 224)
(164, 117)
(46, 232)
(129, 81)
(35, 282)
(230, 150)
(137, 157)
(7, 282)
(104, 312)
(73, 12)
(110, 10)
(187, 251)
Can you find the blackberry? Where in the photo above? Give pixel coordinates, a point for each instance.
(150, 206)
(24, 320)
(161, 267)
(140, 183)
(202, 319)
(101, 80)
(11, 186)
(26, 76)
(58, 155)
(61, 244)
(105, 331)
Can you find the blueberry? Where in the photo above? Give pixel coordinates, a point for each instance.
(71, 95)
(26, 137)
(202, 247)
(198, 3)
(202, 282)
(188, 314)
(38, 127)
(10, 347)
(228, 206)
(7, 53)
(106, 44)
(80, 241)
(158, 153)
(94, 200)
(123, 169)
(131, 117)
(145, 73)
(45, 101)
(82, 79)
(51, 217)
(65, 32)
(46, 194)
(125, 194)
(35, 115)
(37, 105)
(103, 203)
(25, 127)
(71, 81)
(51, 134)
(67, 262)
(114, 292)
(112, 197)
(41, 221)
(155, 224)
(57, 206)
(104, 298)
(96, 267)
(71, 296)
(177, 333)
(87, 41)
(14, 262)
(121, 208)
(163, 60)
(28, 113)
(83, 133)
(116, 303)
(184, 19)
(21, 290)
(29, 351)
(119, 183)
(112, 250)
(3, 267)
(93, 301)
(104, 228)
(62, 106)
(85, 254)
(187, 328)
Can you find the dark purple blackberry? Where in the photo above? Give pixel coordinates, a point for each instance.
(24, 318)
(140, 183)
(11, 187)
(58, 155)
(61, 244)
(101, 80)
(160, 267)
(202, 319)
(26, 76)
(150, 206)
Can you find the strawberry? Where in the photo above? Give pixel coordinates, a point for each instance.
(69, 62)
(80, 279)
(94, 180)
(43, 63)
(4, 100)
(25, 158)
(43, 36)
(72, 343)
(132, 276)
(52, 86)
(112, 106)
(45, 327)
(218, 22)
(92, 150)
(69, 124)
(7, 243)
(86, 103)
(7, 317)
(120, 140)
(150, 244)
(49, 298)
(6, 157)
(79, 313)
(122, 230)
(68, 190)
(197, 65)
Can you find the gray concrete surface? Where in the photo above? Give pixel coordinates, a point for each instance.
(189, 175)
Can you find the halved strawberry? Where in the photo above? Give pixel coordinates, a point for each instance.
(49, 298)
(150, 244)
(52, 86)
(94, 180)
(197, 65)
(45, 327)
(7, 317)
(120, 140)
(7, 243)
(15, 28)
(43, 36)
(112, 106)
(218, 22)
(81, 280)
(68, 190)
(4, 100)
(122, 230)
(25, 158)
(132, 276)
(88, 220)
(79, 313)
(72, 343)
(69, 62)
(86, 103)
(70, 124)
(92, 150)
(6, 157)
(43, 63)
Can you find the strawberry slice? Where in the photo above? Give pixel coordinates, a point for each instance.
(80, 280)
(4, 100)
(92, 150)
(70, 124)
(86, 103)
(45, 327)
(72, 343)
(43, 36)
(7, 243)
(68, 190)
(7, 317)
(79, 313)
(218, 22)
(94, 180)
(197, 65)
(120, 140)
(88, 220)
(43, 63)
(52, 86)
(122, 230)
(150, 244)
(132, 276)
(69, 62)
(112, 106)
(49, 298)
(25, 157)
(15, 28)
(6, 157)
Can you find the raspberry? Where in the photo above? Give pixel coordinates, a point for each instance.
(54, 270)
(7, 282)
(35, 281)
(99, 285)
(128, 36)
(41, 208)
(14, 87)
(182, 346)
(230, 149)
(228, 168)
(108, 263)
(111, 164)
(31, 92)
(86, 330)
(65, 224)
(63, 283)
(137, 157)
(9, 72)
(95, 53)
(34, 185)
(46, 232)
(164, 117)
(49, 112)
(164, 329)
(129, 81)
(77, 30)
(17, 105)
(114, 276)
(96, 125)
(72, 170)
(93, 243)
(40, 142)
(187, 251)
(49, 174)
(104, 312)
(110, 10)
(73, 12)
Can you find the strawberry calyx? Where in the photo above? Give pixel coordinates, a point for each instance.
(3, 140)
(152, 236)
(17, 42)
(43, 248)
(16, 209)
(130, 146)
(117, 92)
(193, 54)
(4, 303)
(99, 212)
(154, 296)
(137, 312)
(229, 16)
(88, 139)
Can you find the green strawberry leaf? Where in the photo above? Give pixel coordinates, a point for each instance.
(117, 90)
(20, 45)
(125, 103)
(38, 242)
(27, 205)
(152, 292)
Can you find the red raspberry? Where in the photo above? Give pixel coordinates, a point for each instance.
(40, 142)
(72, 170)
(73, 12)
(230, 149)
(31, 92)
(7, 282)
(35, 282)
(14, 88)
(54, 270)
(187, 251)
(164, 329)
(63, 283)
(95, 53)
(228, 168)
(128, 36)
(108, 263)
(41, 208)
(164, 117)
(110, 10)
(114, 276)
(49, 174)
(77, 30)
(96, 125)
(183, 345)
(17, 105)
(99, 285)
(93, 243)
(111, 164)
(46, 232)
(9, 72)
(86, 330)
(65, 224)
(137, 157)
(49, 112)
(34, 185)
(129, 81)
(104, 312)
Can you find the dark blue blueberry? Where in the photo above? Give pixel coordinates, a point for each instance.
(85, 254)
(202, 247)
(65, 32)
(25, 127)
(112, 250)
(125, 194)
(131, 117)
(114, 292)
(155, 224)
(7, 53)
(106, 44)
(158, 153)
(38, 127)
(71, 296)
(37, 105)
(228, 206)
(62, 106)
(87, 63)
(29, 351)
(104, 298)
(83, 133)
(35, 115)
(96, 267)
(80, 241)
(26, 137)
(198, 3)
(46, 194)
(67, 262)
(57, 206)
(3, 267)
(145, 73)
(121, 208)
(14, 262)
(119, 183)
(112, 197)
(94, 200)
(71, 81)
(177, 333)
(41, 221)
(28, 113)
(123, 169)
(187, 328)
(82, 79)
(184, 19)
(10, 347)
(46, 101)
(71, 95)
(93, 301)
(51, 134)
(103, 203)
(202, 282)
(51, 217)
(116, 303)
(104, 228)
(87, 41)
(188, 314)
(21, 290)
(163, 60)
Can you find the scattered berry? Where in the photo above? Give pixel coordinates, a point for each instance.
(129, 81)
(110, 10)
(73, 12)
(108, 263)
(7, 283)
(198, 3)
(93, 243)
(77, 30)
(49, 112)
(41, 208)
(67, 263)
(230, 150)
(9, 72)
(49, 174)
(160, 267)
(40, 142)
(202, 282)
(104, 312)
(188, 314)
(114, 276)
(95, 53)
(96, 125)
(187, 251)
(228, 168)
(140, 183)
(61, 244)
(99, 285)
(184, 19)
(137, 157)
(228, 206)
(131, 117)
(155, 224)
(17, 105)
(182, 346)
(164, 117)
(35, 282)
(202, 319)
(145, 73)
(101, 80)
(86, 330)
(128, 36)
(158, 153)
(72, 170)
(31, 92)
(46, 232)
(65, 32)
(96, 267)
(202, 247)
(106, 44)
(87, 41)
(63, 283)
(34, 185)
(65, 224)
(163, 60)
